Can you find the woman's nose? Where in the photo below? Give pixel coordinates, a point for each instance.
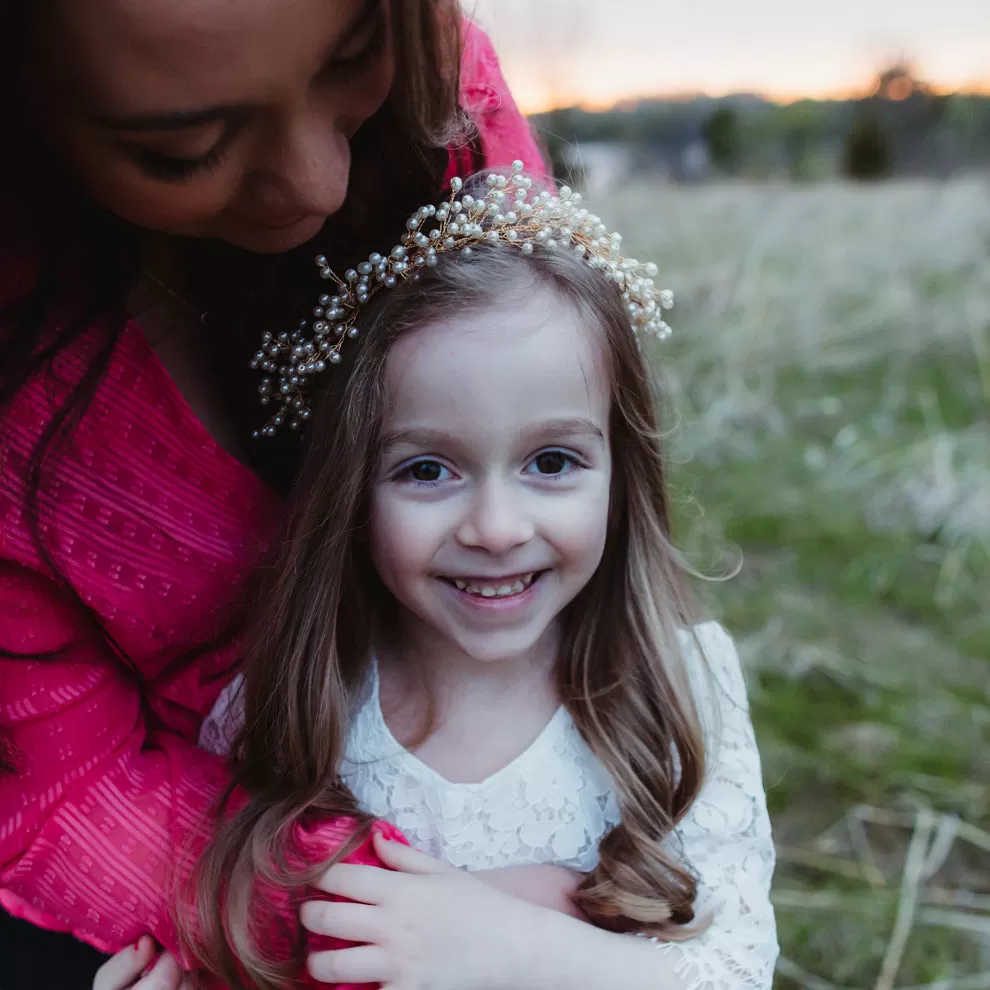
(305, 167)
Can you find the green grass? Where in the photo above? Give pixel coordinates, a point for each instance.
(831, 371)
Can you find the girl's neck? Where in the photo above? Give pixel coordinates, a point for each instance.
(465, 718)
(431, 674)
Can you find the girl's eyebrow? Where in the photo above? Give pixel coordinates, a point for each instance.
(177, 120)
(427, 439)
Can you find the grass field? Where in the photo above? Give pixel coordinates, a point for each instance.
(831, 370)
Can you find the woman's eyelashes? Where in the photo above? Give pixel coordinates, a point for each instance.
(177, 168)
(168, 168)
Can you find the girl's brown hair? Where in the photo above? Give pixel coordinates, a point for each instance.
(620, 671)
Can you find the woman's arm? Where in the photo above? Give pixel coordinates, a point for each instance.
(97, 811)
(102, 819)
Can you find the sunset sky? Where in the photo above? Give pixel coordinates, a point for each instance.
(597, 52)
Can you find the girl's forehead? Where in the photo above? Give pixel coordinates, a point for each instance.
(536, 354)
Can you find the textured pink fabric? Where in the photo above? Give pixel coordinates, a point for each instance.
(157, 528)
(308, 846)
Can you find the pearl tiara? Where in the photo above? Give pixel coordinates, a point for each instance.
(511, 213)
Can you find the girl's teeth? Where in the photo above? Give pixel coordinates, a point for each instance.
(495, 591)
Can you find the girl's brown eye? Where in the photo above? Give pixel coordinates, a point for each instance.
(426, 471)
(552, 462)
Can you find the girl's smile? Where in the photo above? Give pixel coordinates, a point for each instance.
(491, 508)
(497, 596)
(502, 587)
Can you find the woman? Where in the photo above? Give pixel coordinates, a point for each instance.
(172, 169)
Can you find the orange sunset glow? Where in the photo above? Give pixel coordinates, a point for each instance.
(597, 53)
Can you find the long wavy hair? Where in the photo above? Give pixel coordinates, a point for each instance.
(620, 671)
(68, 266)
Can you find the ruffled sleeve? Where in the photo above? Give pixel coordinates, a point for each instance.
(503, 132)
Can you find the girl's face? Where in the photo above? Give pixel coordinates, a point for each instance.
(217, 118)
(489, 514)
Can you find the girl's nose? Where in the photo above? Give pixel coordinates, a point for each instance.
(495, 522)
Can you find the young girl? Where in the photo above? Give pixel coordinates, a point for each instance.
(477, 631)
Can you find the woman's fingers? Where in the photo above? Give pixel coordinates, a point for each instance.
(122, 971)
(164, 975)
(341, 919)
(364, 964)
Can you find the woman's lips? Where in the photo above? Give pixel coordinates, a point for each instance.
(276, 221)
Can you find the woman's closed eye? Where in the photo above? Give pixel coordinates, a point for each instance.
(553, 464)
(179, 168)
(169, 168)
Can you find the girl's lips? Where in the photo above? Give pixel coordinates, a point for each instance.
(501, 587)
(493, 592)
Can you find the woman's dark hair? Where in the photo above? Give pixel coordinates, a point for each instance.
(67, 265)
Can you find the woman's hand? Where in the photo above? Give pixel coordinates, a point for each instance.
(126, 970)
(421, 925)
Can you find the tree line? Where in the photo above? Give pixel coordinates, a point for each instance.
(901, 127)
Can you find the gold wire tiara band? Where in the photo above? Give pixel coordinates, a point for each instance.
(511, 212)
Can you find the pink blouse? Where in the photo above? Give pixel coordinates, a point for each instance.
(157, 528)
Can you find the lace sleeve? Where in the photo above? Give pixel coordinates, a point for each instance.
(220, 727)
(726, 839)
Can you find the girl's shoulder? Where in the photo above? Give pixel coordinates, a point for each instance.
(714, 671)
(708, 645)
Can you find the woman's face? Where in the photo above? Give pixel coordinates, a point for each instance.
(217, 118)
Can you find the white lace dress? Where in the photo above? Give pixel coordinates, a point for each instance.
(555, 803)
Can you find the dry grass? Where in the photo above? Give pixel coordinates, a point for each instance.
(831, 368)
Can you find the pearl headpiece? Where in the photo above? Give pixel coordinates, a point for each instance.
(510, 212)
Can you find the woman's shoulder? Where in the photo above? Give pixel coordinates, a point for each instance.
(504, 132)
